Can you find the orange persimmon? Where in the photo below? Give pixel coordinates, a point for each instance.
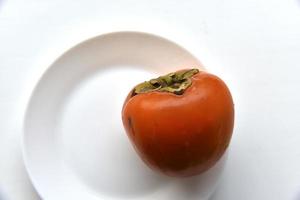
(181, 123)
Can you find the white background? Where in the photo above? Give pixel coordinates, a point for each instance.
(253, 45)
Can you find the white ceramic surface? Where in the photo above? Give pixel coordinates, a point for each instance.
(74, 143)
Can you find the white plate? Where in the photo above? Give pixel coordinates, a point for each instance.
(74, 143)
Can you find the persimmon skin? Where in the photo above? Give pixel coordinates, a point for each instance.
(181, 135)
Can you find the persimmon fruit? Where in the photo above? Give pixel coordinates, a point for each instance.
(181, 123)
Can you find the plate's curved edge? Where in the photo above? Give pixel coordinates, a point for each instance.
(43, 74)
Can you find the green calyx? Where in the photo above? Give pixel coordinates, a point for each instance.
(176, 83)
